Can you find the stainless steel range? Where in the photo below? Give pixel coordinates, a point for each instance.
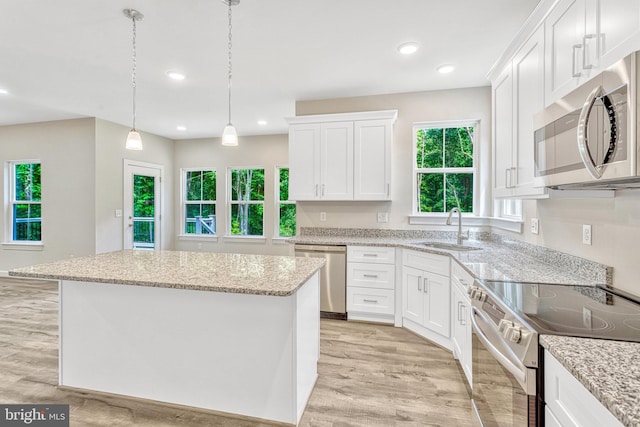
(507, 319)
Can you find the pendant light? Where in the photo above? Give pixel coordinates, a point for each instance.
(229, 135)
(134, 140)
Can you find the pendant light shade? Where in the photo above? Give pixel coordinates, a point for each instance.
(134, 140)
(229, 135)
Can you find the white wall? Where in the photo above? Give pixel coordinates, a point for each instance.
(66, 150)
(457, 104)
(252, 151)
(109, 173)
(615, 231)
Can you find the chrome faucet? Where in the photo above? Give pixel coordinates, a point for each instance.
(460, 236)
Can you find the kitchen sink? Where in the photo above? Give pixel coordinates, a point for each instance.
(449, 246)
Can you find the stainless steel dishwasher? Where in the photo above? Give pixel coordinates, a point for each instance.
(333, 278)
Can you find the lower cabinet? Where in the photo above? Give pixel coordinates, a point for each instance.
(426, 296)
(461, 328)
(371, 283)
(568, 403)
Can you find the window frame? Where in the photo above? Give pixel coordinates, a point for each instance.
(10, 201)
(184, 203)
(278, 202)
(475, 123)
(510, 209)
(230, 202)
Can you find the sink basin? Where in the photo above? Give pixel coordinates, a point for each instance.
(449, 246)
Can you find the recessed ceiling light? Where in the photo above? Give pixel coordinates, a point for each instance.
(446, 68)
(262, 122)
(4, 91)
(408, 48)
(181, 127)
(174, 75)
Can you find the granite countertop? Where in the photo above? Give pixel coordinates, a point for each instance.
(498, 259)
(202, 271)
(610, 370)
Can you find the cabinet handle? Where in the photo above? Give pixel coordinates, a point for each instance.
(375, 301)
(426, 285)
(419, 283)
(464, 315)
(322, 190)
(459, 312)
(374, 255)
(514, 181)
(316, 190)
(373, 276)
(388, 190)
(506, 178)
(584, 51)
(574, 48)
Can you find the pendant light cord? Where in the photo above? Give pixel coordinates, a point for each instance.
(230, 45)
(133, 71)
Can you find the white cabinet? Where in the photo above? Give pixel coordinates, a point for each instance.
(341, 156)
(461, 318)
(517, 96)
(371, 283)
(583, 37)
(569, 402)
(372, 157)
(426, 296)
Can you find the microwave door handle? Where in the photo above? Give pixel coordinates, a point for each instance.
(518, 372)
(583, 139)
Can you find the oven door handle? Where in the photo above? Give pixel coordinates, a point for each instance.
(518, 371)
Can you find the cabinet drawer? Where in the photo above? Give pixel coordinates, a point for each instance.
(433, 263)
(368, 275)
(371, 254)
(460, 276)
(370, 300)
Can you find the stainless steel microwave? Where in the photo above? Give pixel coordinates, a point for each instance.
(588, 139)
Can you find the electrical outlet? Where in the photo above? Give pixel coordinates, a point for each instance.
(534, 225)
(586, 234)
(118, 213)
(383, 217)
(323, 216)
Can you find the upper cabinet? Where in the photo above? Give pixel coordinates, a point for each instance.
(517, 96)
(583, 37)
(341, 156)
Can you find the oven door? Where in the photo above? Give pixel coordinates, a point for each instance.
(504, 390)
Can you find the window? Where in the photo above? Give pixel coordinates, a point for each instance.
(199, 201)
(25, 199)
(246, 202)
(443, 167)
(285, 208)
(510, 209)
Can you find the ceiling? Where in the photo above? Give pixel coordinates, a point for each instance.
(72, 58)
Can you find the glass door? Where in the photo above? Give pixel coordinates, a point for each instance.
(142, 229)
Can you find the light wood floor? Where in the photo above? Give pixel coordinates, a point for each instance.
(369, 375)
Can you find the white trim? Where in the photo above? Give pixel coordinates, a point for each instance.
(127, 169)
(19, 245)
(344, 117)
(10, 200)
(512, 225)
(278, 202)
(245, 239)
(199, 237)
(281, 240)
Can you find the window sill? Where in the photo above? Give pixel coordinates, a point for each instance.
(280, 240)
(23, 246)
(198, 237)
(512, 225)
(245, 239)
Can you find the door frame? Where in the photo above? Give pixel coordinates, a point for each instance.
(129, 168)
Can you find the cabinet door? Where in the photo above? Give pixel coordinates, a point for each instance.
(372, 160)
(304, 162)
(528, 78)
(336, 161)
(503, 134)
(564, 31)
(438, 303)
(618, 22)
(412, 294)
(457, 327)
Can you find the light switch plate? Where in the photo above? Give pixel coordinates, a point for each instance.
(118, 213)
(534, 225)
(323, 216)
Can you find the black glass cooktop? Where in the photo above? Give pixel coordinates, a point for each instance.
(581, 311)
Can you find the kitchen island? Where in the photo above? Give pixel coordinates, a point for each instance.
(225, 332)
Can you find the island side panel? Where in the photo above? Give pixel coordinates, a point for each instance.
(221, 351)
(307, 343)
